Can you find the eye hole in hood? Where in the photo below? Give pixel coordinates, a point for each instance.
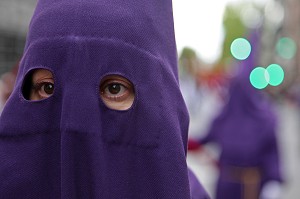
(117, 92)
(38, 84)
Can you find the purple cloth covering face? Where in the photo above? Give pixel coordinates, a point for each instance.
(71, 145)
(245, 130)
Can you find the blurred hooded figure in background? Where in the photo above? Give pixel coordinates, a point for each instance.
(96, 111)
(245, 131)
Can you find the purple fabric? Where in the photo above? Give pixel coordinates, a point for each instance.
(245, 130)
(71, 145)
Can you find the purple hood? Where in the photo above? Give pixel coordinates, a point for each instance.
(71, 145)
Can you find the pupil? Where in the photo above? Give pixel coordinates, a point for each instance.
(48, 88)
(114, 89)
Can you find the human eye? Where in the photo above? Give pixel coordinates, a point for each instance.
(117, 92)
(42, 84)
(43, 89)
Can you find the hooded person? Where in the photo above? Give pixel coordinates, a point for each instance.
(96, 111)
(245, 131)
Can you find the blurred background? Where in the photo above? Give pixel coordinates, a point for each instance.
(208, 61)
(205, 34)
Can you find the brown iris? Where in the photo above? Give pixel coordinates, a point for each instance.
(114, 88)
(49, 88)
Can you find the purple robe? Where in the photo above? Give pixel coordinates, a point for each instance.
(245, 131)
(71, 145)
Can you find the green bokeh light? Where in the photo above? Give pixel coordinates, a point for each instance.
(286, 48)
(276, 74)
(240, 48)
(259, 78)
